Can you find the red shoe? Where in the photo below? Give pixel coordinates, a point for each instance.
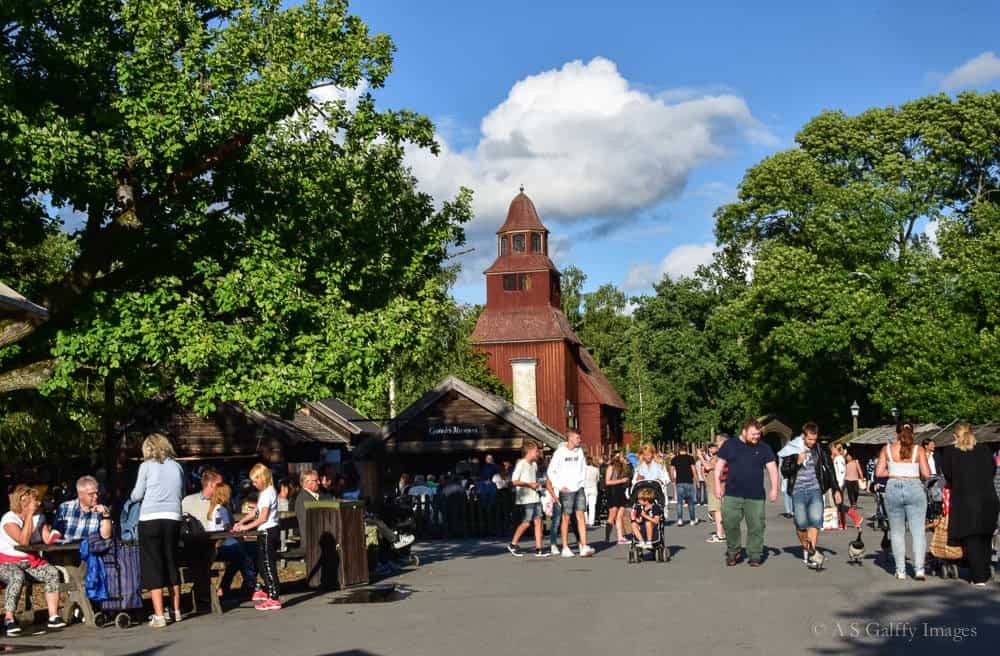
(269, 604)
(259, 595)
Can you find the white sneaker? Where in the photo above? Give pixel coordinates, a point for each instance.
(554, 550)
(158, 622)
(695, 521)
(680, 522)
(586, 551)
(901, 576)
(567, 552)
(404, 541)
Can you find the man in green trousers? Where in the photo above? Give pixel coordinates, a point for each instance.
(744, 460)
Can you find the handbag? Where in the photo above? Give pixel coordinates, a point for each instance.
(939, 542)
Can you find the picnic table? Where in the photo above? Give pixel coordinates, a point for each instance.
(66, 557)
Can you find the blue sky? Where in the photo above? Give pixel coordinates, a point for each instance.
(630, 122)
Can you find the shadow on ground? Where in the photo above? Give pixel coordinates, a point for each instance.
(950, 619)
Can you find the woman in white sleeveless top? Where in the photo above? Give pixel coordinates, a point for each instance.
(905, 464)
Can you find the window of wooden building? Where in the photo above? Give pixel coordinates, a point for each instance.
(518, 243)
(536, 243)
(503, 245)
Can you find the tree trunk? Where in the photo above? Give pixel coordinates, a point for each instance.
(14, 330)
(28, 377)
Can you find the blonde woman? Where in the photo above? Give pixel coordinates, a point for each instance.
(17, 528)
(231, 551)
(265, 521)
(969, 469)
(159, 487)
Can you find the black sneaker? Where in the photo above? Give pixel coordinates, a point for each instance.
(11, 628)
(755, 563)
(514, 551)
(541, 553)
(56, 623)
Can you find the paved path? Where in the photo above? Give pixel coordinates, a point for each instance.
(473, 598)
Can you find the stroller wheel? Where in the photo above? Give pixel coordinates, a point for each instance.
(101, 619)
(414, 560)
(631, 556)
(123, 620)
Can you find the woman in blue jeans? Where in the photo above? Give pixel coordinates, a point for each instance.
(905, 464)
(232, 552)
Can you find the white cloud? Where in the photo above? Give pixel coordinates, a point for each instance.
(680, 262)
(979, 70)
(930, 231)
(586, 142)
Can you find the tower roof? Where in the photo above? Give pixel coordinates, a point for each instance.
(521, 215)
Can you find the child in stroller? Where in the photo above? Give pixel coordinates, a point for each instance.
(648, 523)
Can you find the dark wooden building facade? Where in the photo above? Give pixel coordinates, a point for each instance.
(531, 346)
(455, 421)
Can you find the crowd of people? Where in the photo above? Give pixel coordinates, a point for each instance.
(158, 505)
(734, 477)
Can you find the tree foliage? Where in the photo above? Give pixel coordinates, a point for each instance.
(196, 217)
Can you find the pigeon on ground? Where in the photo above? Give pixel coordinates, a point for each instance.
(856, 550)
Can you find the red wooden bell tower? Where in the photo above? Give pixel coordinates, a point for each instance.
(530, 343)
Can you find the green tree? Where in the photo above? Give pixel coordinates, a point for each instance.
(571, 292)
(239, 237)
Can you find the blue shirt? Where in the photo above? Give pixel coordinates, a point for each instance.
(75, 523)
(746, 463)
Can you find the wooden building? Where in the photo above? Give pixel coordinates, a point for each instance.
(233, 432)
(530, 344)
(456, 421)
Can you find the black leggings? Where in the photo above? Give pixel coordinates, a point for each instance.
(853, 490)
(158, 540)
(978, 550)
(267, 559)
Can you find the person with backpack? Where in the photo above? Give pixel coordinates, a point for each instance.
(159, 487)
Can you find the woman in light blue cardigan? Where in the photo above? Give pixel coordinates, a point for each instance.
(159, 486)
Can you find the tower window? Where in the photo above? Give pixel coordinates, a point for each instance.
(536, 243)
(503, 245)
(518, 243)
(516, 282)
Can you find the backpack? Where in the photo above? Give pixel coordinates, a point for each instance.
(191, 528)
(129, 524)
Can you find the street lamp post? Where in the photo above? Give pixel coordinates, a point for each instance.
(570, 415)
(855, 411)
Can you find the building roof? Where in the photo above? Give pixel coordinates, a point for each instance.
(13, 303)
(352, 420)
(521, 215)
(521, 419)
(520, 262)
(882, 434)
(603, 389)
(945, 437)
(527, 324)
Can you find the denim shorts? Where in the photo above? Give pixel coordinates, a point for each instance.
(532, 511)
(573, 501)
(808, 509)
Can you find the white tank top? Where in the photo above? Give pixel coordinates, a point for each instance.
(903, 469)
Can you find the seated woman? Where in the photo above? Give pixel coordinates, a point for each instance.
(17, 528)
(232, 551)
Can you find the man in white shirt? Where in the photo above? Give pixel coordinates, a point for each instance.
(566, 474)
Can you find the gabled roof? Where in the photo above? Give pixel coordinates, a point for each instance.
(881, 434)
(521, 215)
(984, 433)
(521, 419)
(521, 262)
(602, 387)
(13, 303)
(527, 324)
(344, 415)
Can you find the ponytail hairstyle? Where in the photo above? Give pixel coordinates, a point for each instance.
(904, 433)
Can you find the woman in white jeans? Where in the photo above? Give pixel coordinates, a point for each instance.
(590, 476)
(905, 464)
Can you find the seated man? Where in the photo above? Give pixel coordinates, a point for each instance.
(79, 518)
(309, 480)
(198, 504)
(196, 548)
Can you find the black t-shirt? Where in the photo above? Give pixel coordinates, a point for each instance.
(655, 510)
(682, 464)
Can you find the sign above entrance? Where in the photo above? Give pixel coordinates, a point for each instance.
(451, 431)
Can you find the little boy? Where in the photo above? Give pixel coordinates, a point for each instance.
(648, 514)
(525, 482)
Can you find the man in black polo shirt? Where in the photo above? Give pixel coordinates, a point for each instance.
(746, 459)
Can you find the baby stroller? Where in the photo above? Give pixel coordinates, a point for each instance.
(880, 520)
(636, 552)
(124, 589)
(946, 558)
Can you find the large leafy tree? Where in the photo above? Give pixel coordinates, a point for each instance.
(847, 298)
(233, 233)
